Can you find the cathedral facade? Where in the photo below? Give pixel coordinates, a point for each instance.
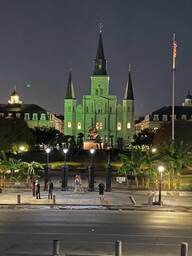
(100, 111)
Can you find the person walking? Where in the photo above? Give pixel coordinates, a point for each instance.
(33, 188)
(101, 190)
(50, 190)
(38, 191)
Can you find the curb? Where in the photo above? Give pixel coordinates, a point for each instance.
(97, 207)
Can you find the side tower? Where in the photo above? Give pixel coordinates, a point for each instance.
(128, 111)
(70, 109)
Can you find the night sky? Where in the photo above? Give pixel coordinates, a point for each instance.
(40, 40)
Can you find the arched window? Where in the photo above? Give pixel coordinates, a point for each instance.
(119, 126)
(96, 92)
(79, 125)
(128, 125)
(69, 124)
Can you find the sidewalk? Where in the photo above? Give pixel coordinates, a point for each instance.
(90, 200)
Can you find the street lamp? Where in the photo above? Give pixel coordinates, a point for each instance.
(108, 171)
(47, 150)
(91, 169)
(161, 169)
(154, 150)
(65, 171)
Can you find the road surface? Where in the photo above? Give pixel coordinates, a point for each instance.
(30, 232)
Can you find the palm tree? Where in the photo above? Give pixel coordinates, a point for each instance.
(30, 171)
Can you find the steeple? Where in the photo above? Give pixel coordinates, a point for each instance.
(100, 61)
(70, 94)
(129, 88)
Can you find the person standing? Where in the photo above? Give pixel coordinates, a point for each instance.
(101, 190)
(33, 188)
(38, 191)
(50, 190)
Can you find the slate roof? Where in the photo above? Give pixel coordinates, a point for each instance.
(21, 108)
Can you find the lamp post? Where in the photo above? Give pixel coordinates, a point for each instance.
(91, 169)
(47, 150)
(65, 171)
(108, 171)
(161, 170)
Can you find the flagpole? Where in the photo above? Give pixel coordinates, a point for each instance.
(173, 89)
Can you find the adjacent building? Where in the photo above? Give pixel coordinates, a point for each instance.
(100, 112)
(34, 115)
(158, 117)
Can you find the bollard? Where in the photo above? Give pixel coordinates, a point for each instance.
(118, 248)
(56, 247)
(184, 249)
(18, 199)
(54, 199)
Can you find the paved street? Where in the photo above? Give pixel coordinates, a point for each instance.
(30, 232)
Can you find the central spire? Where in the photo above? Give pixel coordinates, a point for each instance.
(100, 61)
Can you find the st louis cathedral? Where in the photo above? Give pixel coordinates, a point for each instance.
(100, 112)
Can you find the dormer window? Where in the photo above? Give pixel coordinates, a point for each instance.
(183, 117)
(35, 117)
(164, 118)
(27, 117)
(156, 118)
(43, 117)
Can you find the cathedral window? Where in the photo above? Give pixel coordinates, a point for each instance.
(27, 117)
(101, 91)
(101, 126)
(119, 126)
(35, 117)
(96, 92)
(110, 109)
(97, 125)
(79, 126)
(69, 124)
(128, 125)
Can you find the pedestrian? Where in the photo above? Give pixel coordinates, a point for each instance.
(101, 190)
(50, 190)
(38, 191)
(77, 183)
(33, 188)
(80, 183)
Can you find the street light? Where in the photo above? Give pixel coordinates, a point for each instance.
(161, 169)
(47, 150)
(154, 150)
(91, 169)
(108, 171)
(65, 171)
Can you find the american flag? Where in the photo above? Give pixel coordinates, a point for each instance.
(174, 52)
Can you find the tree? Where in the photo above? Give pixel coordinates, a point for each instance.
(48, 136)
(176, 156)
(13, 131)
(145, 137)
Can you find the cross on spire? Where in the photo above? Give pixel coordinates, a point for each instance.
(100, 27)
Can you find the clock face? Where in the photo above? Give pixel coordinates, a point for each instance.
(100, 66)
